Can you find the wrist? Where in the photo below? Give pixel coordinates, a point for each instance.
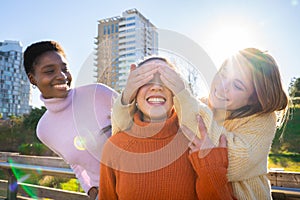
(93, 192)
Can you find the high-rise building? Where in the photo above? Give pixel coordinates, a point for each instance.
(121, 41)
(14, 85)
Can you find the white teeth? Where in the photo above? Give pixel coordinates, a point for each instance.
(156, 100)
(61, 86)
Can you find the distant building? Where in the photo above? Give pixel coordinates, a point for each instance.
(121, 41)
(14, 85)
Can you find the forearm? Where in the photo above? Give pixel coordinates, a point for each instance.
(80, 173)
(211, 170)
(248, 143)
(188, 107)
(122, 115)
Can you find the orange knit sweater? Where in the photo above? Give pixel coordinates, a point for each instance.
(151, 161)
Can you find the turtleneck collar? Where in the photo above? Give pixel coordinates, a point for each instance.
(58, 104)
(154, 130)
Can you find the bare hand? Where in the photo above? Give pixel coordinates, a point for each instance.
(203, 143)
(137, 78)
(171, 79)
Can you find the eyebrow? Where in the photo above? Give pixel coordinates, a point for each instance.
(52, 65)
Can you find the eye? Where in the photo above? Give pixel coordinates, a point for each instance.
(238, 86)
(49, 71)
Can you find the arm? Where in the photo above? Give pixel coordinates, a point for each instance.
(211, 170)
(122, 115)
(210, 164)
(249, 139)
(107, 189)
(82, 176)
(107, 184)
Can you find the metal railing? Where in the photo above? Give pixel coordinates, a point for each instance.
(285, 185)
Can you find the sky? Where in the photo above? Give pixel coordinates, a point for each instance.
(220, 27)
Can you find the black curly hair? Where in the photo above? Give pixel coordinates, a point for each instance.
(35, 50)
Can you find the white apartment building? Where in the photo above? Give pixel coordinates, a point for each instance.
(121, 41)
(14, 85)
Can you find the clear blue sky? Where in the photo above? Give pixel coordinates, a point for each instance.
(218, 26)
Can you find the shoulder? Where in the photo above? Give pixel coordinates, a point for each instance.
(254, 123)
(95, 87)
(43, 125)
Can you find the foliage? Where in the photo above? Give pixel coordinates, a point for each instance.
(31, 120)
(285, 151)
(72, 185)
(18, 134)
(288, 138)
(294, 87)
(35, 148)
(290, 162)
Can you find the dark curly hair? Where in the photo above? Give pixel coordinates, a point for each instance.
(35, 50)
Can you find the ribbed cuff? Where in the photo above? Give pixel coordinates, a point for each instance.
(214, 158)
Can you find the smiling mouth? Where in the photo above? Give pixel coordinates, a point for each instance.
(156, 100)
(61, 86)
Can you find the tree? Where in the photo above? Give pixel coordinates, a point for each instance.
(31, 120)
(294, 87)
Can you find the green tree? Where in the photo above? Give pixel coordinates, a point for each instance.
(31, 120)
(294, 87)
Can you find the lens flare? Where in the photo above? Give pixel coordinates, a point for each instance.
(21, 176)
(79, 143)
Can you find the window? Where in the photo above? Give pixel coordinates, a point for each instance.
(112, 28)
(108, 29)
(104, 30)
(130, 24)
(130, 18)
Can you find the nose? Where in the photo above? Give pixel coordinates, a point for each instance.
(62, 75)
(225, 84)
(156, 87)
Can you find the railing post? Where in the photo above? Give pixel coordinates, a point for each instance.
(12, 187)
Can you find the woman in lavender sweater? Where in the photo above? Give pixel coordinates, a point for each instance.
(77, 121)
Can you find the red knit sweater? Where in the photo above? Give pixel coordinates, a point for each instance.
(151, 161)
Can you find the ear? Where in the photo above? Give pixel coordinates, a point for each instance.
(31, 78)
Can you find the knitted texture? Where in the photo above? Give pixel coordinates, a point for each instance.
(71, 128)
(249, 142)
(151, 161)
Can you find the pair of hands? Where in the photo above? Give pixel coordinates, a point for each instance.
(203, 144)
(172, 80)
(144, 74)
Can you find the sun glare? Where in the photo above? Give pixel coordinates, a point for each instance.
(228, 38)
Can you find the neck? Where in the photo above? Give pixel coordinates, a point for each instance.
(152, 119)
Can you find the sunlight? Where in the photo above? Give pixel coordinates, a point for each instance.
(227, 38)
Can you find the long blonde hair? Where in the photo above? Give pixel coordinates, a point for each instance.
(268, 95)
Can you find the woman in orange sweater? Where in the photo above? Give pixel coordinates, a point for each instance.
(152, 159)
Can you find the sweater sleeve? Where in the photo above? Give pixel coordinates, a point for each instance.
(122, 115)
(107, 184)
(248, 144)
(212, 182)
(82, 176)
(107, 189)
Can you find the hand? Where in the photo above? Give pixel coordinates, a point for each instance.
(204, 143)
(171, 79)
(92, 193)
(137, 78)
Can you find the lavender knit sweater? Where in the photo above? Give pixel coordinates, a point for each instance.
(71, 127)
